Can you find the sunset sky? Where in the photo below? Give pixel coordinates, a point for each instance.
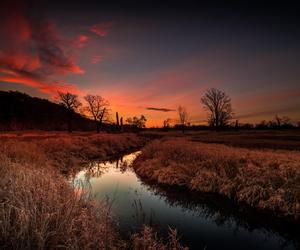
(148, 57)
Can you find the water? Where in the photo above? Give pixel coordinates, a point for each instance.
(202, 220)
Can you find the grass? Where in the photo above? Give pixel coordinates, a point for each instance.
(66, 152)
(268, 180)
(147, 239)
(39, 209)
(255, 139)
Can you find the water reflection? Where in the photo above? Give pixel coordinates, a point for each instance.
(204, 220)
(224, 212)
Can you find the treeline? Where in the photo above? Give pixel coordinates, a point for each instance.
(263, 125)
(20, 111)
(277, 123)
(220, 116)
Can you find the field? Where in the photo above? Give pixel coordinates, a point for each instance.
(254, 139)
(266, 179)
(66, 152)
(39, 209)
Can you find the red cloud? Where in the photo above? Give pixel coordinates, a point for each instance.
(101, 29)
(81, 41)
(31, 50)
(47, 88)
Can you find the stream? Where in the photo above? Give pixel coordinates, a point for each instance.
(203, 221)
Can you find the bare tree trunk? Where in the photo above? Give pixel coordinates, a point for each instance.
(217, 121)
(100, 120)
(70, 122)
(97, 126)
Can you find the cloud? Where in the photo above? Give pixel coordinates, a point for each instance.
(160, 109)
(81, 41)
(96, 59)
(32, 52)
(102, 29)
(47, 88)
(52, 50)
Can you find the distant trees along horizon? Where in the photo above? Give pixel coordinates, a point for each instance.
(183, 117)
(21, 111)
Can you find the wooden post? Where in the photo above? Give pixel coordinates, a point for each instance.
(117, 120)
(121, 122)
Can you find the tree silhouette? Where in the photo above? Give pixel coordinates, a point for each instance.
(218, 105)
(282, 122)
(97, 108)
(183, 117)
(167, 123)
(71, 102)
(137, 122)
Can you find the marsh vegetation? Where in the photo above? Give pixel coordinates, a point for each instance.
(41, 209)
(264, 179)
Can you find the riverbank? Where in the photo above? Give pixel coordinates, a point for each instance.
(268, 180)
(40, 210)
(64, 151)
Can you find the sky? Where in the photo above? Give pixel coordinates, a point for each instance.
(149, 57)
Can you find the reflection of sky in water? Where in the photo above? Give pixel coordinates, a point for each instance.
(135, 203)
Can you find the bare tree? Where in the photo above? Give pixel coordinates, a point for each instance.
(71, 102)
(97, 108)
(136, 122)
(282, 122)
(218, 104)
(183, 117)
(167, 123)
(278, 121)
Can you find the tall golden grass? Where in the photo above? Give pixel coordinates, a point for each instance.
(265, 179)
(39, 209)
(147, 239)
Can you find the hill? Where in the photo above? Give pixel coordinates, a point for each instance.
(20, 111)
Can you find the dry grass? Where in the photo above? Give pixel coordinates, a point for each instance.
(67, 152)
(147, 239)
(39, 209)
(256, 139)
(265, 179)
(271, 139)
